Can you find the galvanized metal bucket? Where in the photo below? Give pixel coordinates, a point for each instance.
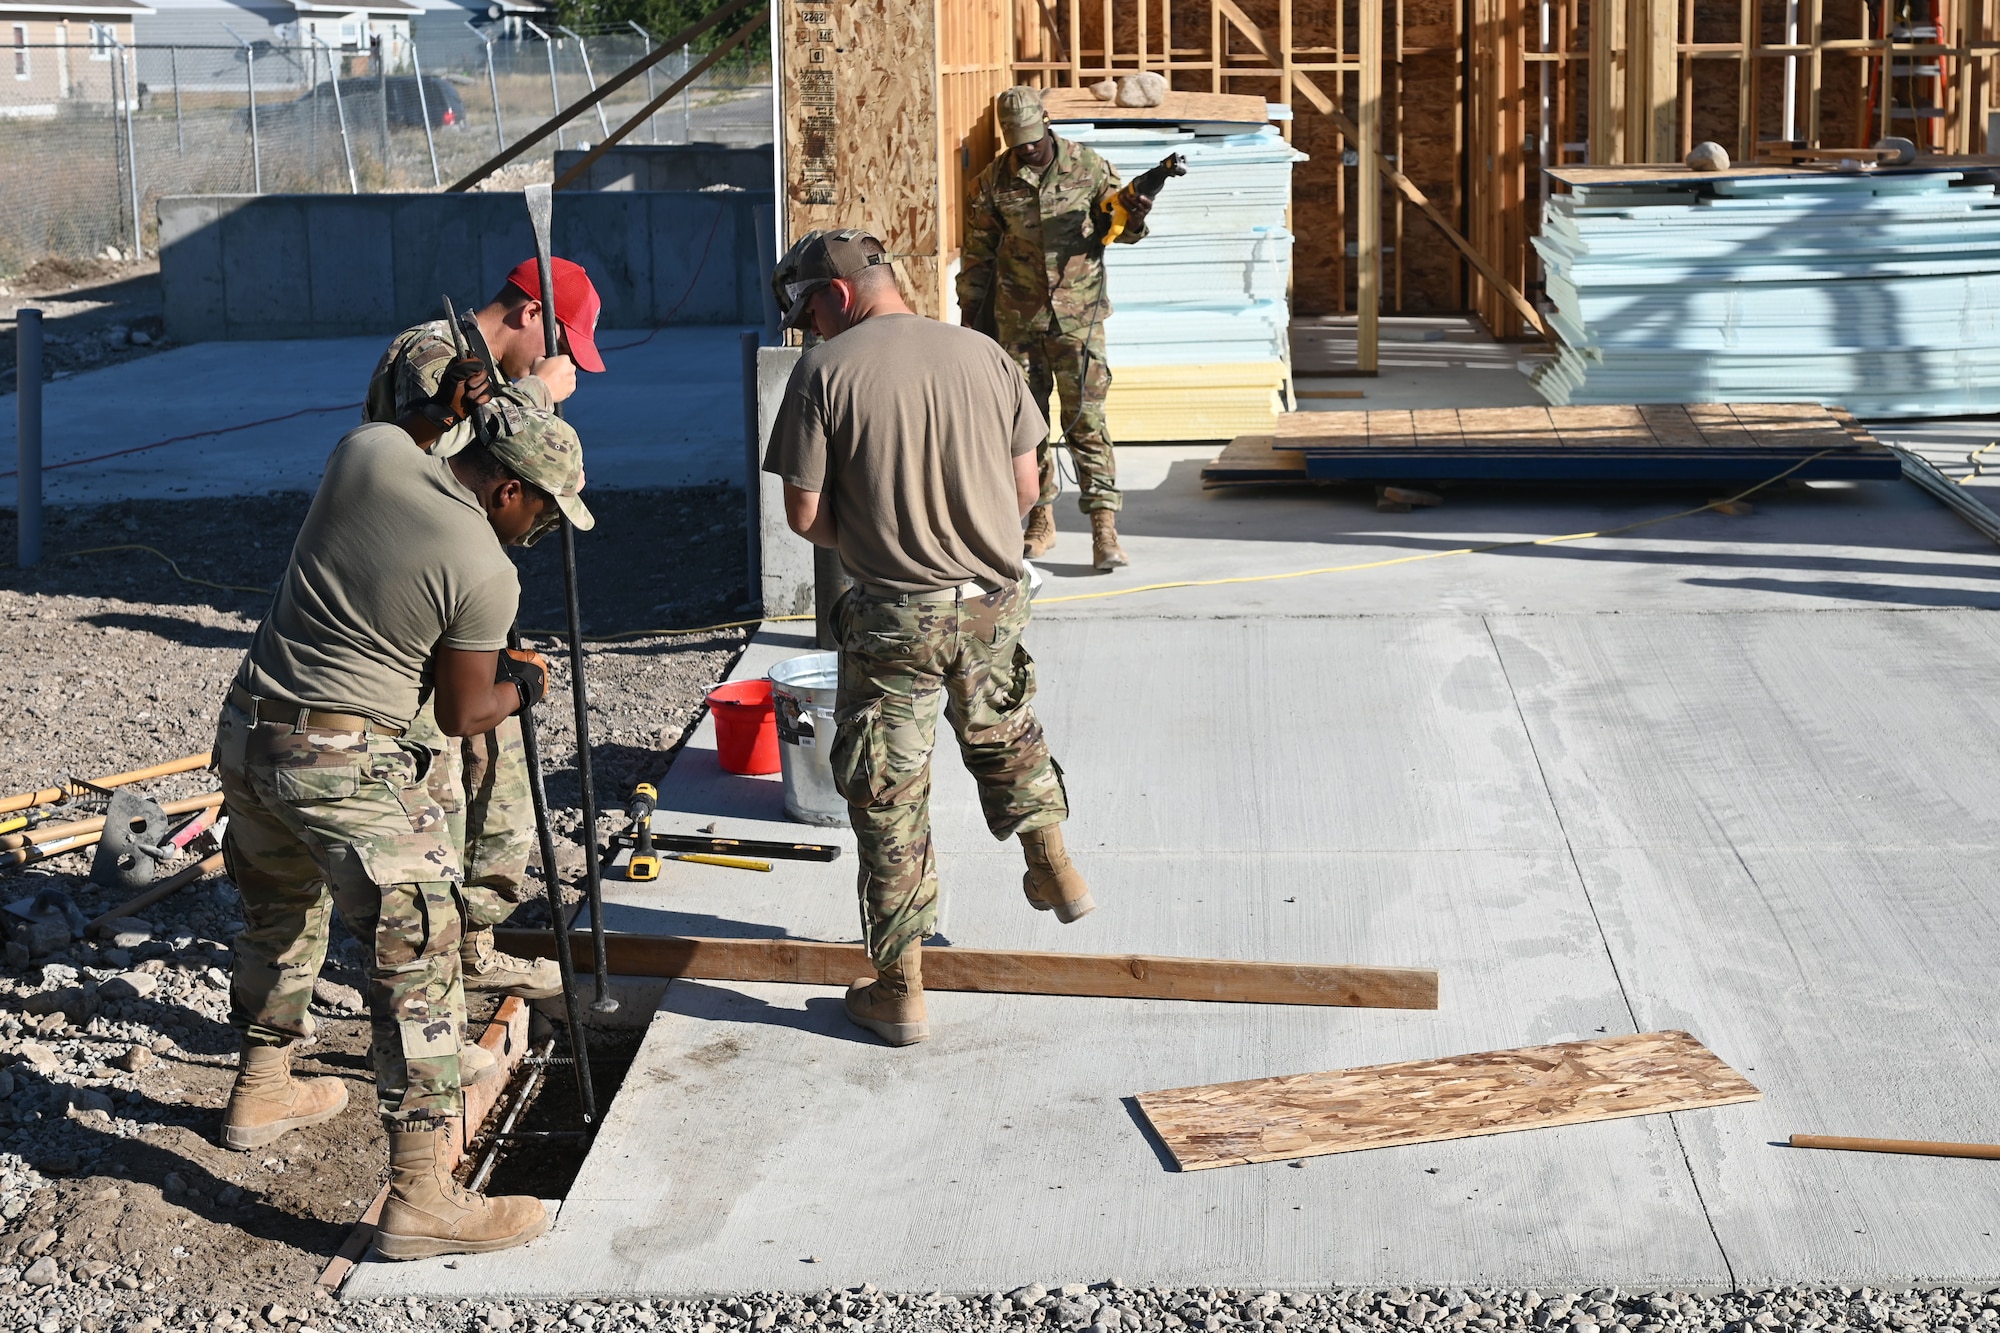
(802, 690)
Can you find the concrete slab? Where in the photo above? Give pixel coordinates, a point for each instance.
(1588, 822)
(667, 412)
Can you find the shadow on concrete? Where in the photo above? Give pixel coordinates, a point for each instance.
(1151, 1135)
(822, 1015)
(1868, 592)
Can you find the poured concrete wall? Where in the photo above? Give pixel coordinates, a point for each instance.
(328, 266)
(673, 166)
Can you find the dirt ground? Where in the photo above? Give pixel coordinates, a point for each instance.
(116, 1056)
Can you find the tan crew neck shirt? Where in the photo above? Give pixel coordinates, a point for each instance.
(395, 557)
(910, 428)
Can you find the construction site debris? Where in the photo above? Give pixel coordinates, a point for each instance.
(1425, 1101)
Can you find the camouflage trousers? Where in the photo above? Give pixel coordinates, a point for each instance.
(320, 820)
(897, 655)
(482, 781)
(1051, 361)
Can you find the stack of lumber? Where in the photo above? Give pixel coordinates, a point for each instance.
(1661, 443)
(1876, 292)
(1198, 338)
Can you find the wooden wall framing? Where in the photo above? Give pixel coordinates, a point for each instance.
(887, 110)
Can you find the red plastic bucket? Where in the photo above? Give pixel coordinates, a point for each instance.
(746, 728)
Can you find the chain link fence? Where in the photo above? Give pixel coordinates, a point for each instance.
(82, 166)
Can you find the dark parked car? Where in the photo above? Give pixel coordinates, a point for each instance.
(360, 96)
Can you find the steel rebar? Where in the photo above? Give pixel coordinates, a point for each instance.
(28, 436)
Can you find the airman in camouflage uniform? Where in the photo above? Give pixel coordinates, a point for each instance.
(483, 787)
(331, 805)
(908, 447)
(1032, 275)
(896, 656)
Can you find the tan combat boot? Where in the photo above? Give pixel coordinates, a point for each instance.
(1105, 552)
(476, 1064)
(267, 1100)
(427, 1213)
(1040, 536)
(487, 970)
(1053, 881)
(892, 1005)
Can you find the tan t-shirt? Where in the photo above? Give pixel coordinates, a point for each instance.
(394, 558)
(910, 427)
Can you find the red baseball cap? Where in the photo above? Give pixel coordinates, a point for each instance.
(577, 305)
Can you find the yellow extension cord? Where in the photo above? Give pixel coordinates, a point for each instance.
(1115, 592)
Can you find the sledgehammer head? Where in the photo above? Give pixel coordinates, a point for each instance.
(133, 846)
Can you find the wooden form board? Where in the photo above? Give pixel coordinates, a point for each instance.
(1011, 972)
(1426, 1101)
(1695, 426)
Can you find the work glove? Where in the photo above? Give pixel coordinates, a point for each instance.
(528, 671)
(465, 386)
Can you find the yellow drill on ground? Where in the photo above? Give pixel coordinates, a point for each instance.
(1117, 204)
(645, 863)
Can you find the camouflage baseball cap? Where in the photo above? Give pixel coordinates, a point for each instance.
(1022, 119)
(817, 259)
(538, 447)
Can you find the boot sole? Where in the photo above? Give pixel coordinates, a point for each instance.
(1108, 564)
(398, 1248)
(896, 1034)
(1067, 912)
(243, 1140)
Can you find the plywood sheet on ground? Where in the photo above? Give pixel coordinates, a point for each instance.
(1428, 1101)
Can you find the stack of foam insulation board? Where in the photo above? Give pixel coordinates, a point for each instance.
(1198, 341)
(1879, 293)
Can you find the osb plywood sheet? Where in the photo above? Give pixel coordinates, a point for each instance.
(1789, 426)
(1082, 104)
(861, 128)
(1425, 1101)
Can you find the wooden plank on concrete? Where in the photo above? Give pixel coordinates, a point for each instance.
(1425, 1101)
(1009, 972)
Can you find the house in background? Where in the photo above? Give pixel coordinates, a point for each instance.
(61, 52)
(211, 35)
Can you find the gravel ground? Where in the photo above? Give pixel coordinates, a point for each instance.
(115, 1056)
(1078, 1306)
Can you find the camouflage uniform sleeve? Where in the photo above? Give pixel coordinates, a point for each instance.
(983, 227)
(409, 373)
(538, 391)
